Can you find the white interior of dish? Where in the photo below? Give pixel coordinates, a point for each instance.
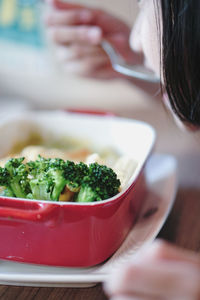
(129, 137)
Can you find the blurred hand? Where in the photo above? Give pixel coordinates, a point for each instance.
(161, 272)
(77, 32)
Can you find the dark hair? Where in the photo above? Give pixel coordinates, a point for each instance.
(181, 57)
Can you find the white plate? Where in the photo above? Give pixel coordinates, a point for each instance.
(162, 182)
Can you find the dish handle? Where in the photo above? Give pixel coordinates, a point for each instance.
(24, 210)
(91, 112)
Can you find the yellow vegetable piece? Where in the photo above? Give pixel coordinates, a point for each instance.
(66, 196)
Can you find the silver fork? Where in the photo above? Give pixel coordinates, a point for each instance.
(120, 66)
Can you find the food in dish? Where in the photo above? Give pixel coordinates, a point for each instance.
(48, 178)
(55, 179)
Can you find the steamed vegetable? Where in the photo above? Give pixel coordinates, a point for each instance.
(14, 177)
(55, 179)
(100, 183)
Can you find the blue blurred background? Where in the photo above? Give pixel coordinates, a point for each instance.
(20, 21)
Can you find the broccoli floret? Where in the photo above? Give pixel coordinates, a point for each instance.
(99, 184)
(4, 176)
(40, 181)
(4, 180)
(15, 178)
(66, 174)
(40, 188)
(48, 177)
(74, 174)
(56, 172)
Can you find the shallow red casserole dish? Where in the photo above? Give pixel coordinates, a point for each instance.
(73, 234)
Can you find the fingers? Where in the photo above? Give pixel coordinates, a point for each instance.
(85, 66)
(125, 298)
(62, 26)
(172, 280)
(69, 24)
(63, 5)
(77, 51)
(81, 60)
(134, 297)
(161, 271)
(78, 34)
(167, 251)
(69, 17)
(163, 250)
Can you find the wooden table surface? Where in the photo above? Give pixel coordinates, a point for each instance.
(182, 226)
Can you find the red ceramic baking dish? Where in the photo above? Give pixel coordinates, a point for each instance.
(64, 233)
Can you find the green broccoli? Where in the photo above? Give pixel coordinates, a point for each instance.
(14, 177)
(99, 184)
(40, 183)
(66, 174)
(47, 178)
(5, 185)
(74, 173)
(61, 173)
